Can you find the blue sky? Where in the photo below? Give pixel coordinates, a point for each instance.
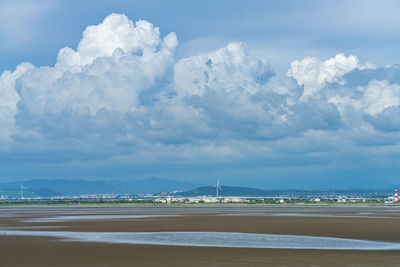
(266, 93)
(283, 31)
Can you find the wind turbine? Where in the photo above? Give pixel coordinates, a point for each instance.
(22, 190)
(217, 187)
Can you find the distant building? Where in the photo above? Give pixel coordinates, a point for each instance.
(202, 199)
(389, 200)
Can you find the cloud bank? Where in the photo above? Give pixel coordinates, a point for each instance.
(124, 92)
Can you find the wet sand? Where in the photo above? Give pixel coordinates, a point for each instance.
(371, 223)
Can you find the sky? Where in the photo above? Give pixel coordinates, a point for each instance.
(271, 94)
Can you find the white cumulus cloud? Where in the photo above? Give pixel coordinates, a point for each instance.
(230, 69)
(116, 32)
(115, 63)
(8, 101)
(122, 91)
(313, 73)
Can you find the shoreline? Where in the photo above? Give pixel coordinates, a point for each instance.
(198, 205)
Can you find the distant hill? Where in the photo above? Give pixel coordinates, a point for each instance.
(155, 185)
(29, 193)
(64, 187)
(81, 187)
(226, 191)
(254, 192)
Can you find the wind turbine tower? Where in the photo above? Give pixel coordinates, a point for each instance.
(22, 190)
(217, 187)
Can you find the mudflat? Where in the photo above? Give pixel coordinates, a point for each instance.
(366, 223)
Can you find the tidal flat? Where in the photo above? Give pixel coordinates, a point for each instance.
(200, 236)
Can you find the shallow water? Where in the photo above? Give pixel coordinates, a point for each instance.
(214, 239)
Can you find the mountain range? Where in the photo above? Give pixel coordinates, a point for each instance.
(224, 191)
(81, 187)
(255, 192)
(65, 187)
